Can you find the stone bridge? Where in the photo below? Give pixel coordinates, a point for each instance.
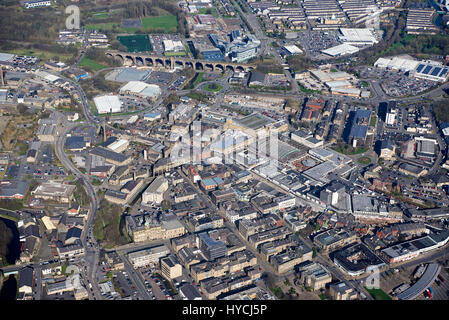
(180, 62)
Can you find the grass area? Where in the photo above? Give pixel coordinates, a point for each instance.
(212, 88)
(136, 43)
(198, 79)
(107, 225)
(277, 291)
(167, 23)
(211, 11)
(304, 89)
(322, 296)
(373, 121)
(106, 26)
(175, 54)
(41, 54)
(96, 182)
(91, 64)
(364, 160)
(8, 217)
(348, 150)
(378, 294)
(11, 204)
(93, 108)
(364, 84)
(22, 147)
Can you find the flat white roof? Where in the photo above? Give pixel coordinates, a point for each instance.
(108, 103)
(340, 50)
(6, 56)
(293, 49)
(357, 35)
(142, 88)
(117, 144)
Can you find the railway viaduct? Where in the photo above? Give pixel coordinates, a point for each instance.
(182, 62)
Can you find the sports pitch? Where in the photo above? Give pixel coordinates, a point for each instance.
(136, 43)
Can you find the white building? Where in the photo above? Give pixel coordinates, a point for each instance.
(142, 89)
(172, 45)
(119, 145)
(340, 50)
(108, 104)
(358, 37)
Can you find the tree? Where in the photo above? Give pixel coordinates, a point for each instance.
(22, 108)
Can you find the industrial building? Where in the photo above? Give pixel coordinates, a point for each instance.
(340, 50)
(358, 37)
(108, 104)
(142, 89)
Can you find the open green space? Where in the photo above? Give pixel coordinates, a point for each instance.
(364, 160)
(136, 43)
(108, 229)
(175, 54)
(373, 121)
(213, 87)
(167, 23)
(198, 79)
(211, 11)
(349, 150)
(378, 294)
(91, 64)
(306, 90)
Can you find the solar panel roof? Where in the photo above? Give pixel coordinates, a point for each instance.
(436, 71)
(420, 67)
(427, 70)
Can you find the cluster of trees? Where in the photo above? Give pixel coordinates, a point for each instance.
(441, 110)
(138, 9)
(99, 56)
(397, 41)
(267, 65)
(30, 25)
(298, 63)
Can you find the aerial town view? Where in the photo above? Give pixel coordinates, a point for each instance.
(224, 150)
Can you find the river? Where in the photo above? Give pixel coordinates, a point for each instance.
(14, 244)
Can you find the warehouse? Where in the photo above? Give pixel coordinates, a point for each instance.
(340, 50)
(358, 37)
(142, 89)
(119, 145)
(108, 104)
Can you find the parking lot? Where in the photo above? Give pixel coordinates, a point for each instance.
(315, 41)
(396, 83)
(157, 39)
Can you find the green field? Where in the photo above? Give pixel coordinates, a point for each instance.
(105, 26)
(175, 54)
(167, 23)
(212, 11)
(91, 64)
(378, 294)
(136, 43)
(373, 121)
(41, 54)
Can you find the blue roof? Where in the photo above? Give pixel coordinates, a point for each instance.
(213, 55)
(357, 130)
